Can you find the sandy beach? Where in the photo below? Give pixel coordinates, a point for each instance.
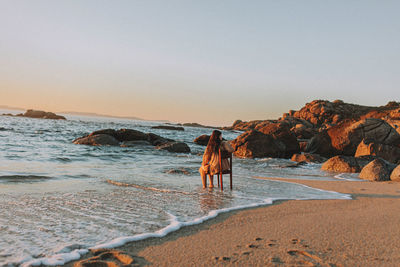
(363, 231)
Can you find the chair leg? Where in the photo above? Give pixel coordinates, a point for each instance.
(218, 179)
(221, 182)
(230, 176)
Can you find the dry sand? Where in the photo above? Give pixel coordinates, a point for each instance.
(364, 231)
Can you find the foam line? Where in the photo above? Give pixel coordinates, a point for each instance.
(63, 258)
(174, 225)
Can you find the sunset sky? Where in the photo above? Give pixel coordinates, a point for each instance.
(210, 62)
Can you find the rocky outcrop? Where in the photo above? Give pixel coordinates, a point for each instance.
(395, 175)
(202, 140)
(341, 164)
(281, 133)
(166, 127)
(387, 152)
(344, 138)
(129, 138)
(39, 114)
(255, 144)
(332, 128)
(323, 114)
(97, 140)
(321, 144)
(307, 157)
(377, 170)
(177, 147)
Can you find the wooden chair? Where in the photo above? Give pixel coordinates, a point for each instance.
(224, 155)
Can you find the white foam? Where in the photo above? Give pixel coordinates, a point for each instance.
(75, 254)
(174, 226)
(57, 259)
(345, 176)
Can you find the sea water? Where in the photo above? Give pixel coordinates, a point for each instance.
(58, 199)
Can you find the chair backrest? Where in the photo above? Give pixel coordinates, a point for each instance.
(223, 154)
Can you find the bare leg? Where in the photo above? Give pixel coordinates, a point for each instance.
(211, 181)
(203, 177)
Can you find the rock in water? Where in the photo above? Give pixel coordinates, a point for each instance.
(130, 135)
(166, 127)
(202, 140)
(97, 140)
(254, 144)
(377, 170)
(176, 147)
(395, 176)
(40, 114)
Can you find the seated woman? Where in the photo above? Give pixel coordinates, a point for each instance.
(210, 164)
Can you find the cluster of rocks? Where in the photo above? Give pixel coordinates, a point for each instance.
(38, 114)
(130, 137)
(361, 135)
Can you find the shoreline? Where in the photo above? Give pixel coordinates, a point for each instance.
(240, 237)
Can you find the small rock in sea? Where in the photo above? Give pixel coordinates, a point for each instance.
(176, 147)
(178, 171)
(97, 140)
(202, 140)
(166, 127)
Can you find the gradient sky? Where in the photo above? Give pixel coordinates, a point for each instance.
(210, 62)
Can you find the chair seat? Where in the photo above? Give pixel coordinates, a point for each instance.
(226, 172)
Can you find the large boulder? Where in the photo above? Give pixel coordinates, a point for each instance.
(377, 170)
(307, 157)
(387, 152)
(321, 144)
(344, 138)
(97, 140)
(130, 135)
(254, 144)
(281, 133)
(341, 164)
(395, 176)
(176, 147)
(202, 140)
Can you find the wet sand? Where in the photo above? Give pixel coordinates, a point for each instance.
(364, 231)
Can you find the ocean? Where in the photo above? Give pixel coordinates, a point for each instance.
(58, 199)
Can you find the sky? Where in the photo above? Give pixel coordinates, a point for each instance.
(210, 62)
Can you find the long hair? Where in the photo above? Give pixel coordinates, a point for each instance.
(212, 146)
